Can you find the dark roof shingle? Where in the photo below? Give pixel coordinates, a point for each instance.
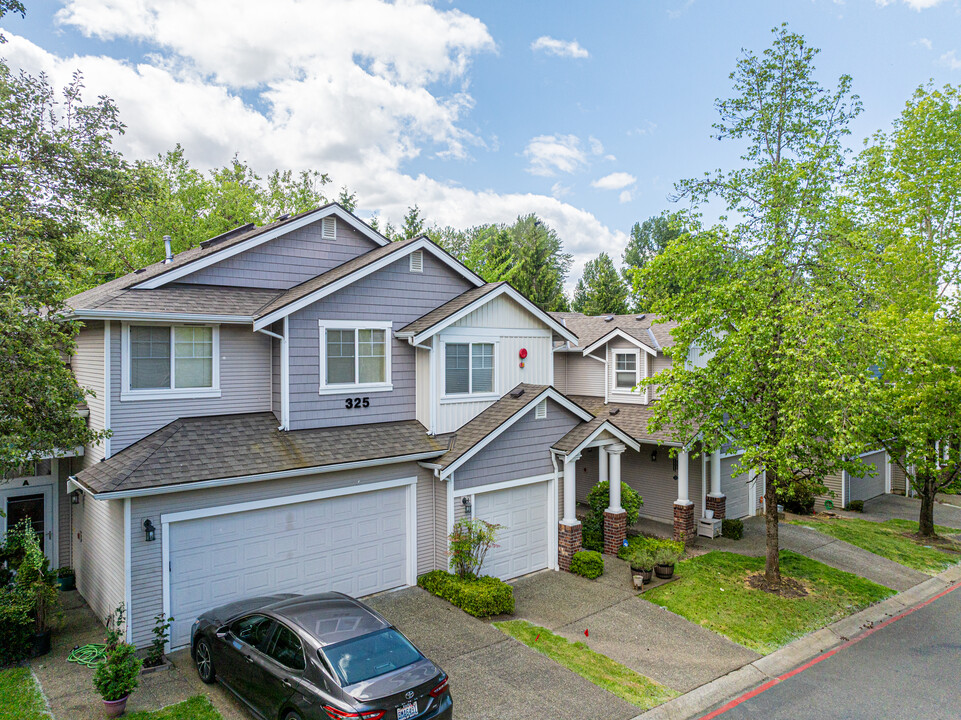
(182, 298)
(591, 328)
(631, 418)
(443, 312)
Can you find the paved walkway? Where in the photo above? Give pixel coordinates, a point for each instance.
(631, 631)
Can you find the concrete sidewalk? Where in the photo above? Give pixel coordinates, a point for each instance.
(704, 698)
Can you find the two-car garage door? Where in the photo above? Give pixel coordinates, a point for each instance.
(356, 544)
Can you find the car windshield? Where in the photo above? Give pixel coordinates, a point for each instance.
(369, 656)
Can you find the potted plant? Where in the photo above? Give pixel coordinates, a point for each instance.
(664, 560)
(36, 587)
(642, 563)
(66, 578)
(116, 677)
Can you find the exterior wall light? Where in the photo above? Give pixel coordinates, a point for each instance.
(75, 497)
(654, 455)
(149, 531)
(465, 501)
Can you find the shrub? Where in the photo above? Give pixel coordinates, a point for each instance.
(592, 532)
(119, 674)
(36, 584)
(855, 506)
(599, 498)
(16, 628)
(588, 563)
(469, 542)
(477, 596)
(732, 529)
(800, 501)
(666, 556)
(640, 543)
(642, 560)
(65, 571)
(161, 630)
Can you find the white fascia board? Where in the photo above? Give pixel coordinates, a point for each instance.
(162, 317)
(617, 332)
(483, 300)
(241, 479)
(227, 252)
(379, 264)
(547, 393)
(613, 430)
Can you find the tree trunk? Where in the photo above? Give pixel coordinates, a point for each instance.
(926, 520)
(772, 562)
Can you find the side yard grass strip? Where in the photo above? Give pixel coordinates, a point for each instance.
(20, 697)
(598, 669)
(712, 590)
(196, 708)
(887, 539)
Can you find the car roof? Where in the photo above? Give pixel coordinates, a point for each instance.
(328, 617)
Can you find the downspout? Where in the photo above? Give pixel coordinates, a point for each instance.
(284, 376)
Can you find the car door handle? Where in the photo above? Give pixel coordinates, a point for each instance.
(248, 658)
(287, 684)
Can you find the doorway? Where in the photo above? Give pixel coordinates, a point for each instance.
(35, 506)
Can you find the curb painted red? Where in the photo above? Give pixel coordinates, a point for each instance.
(824, 656)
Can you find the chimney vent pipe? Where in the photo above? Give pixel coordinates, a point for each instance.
(168, 254)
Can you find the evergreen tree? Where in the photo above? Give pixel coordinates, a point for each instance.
(601, 291)
(648, 240)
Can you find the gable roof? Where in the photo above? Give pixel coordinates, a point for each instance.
(175, 301)
(349, 272)
(196, 452)
(473, 436)
(632, 418)
(582, 435)
(469, 301)
(642, 327)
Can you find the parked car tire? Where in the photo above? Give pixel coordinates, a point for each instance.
(205, 662)
(292, 715)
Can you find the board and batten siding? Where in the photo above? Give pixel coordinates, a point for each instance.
(87, 365)
(391, 294)
(575, 374)
(286, 261)
(244, 387)
(147, 557)
(521, 451)
(98, 553)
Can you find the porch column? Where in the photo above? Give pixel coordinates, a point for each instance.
(569, 528)
(683, 507)
(615, 517)
(602, 464)
(716, 500)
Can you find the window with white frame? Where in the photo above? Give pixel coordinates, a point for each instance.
(354, 356)
(468, 368)
(170, 361)
(627, 368)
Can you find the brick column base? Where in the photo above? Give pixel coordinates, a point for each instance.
(568, 543)
(717, 503)
(684, 522)
(615, 531)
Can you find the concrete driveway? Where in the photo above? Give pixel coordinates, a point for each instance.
(898, 507)
(492, 675)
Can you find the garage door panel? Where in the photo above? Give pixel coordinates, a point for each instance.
(522, 543)
(865, 487)
(360, 548)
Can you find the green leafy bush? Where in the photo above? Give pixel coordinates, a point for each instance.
(599, 498)
(666, 556)
(592, 533)
(469, 542)
(732, 528)
(119, 674)
(800, 501)
(478, 596)
(640, 543)
(588, 563)
(855, 506)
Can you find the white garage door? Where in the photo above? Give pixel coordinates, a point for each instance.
(866, 487)
(735, 488)
(355, 544)
(523, 541)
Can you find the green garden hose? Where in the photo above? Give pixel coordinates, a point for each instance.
(88, 655)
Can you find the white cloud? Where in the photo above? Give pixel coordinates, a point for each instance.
(614, 181)
(626, 196)
(560, 48)
(597, 147)
(950, 60)
(918, 5)
(551, 154)
(559, 190)
(924, 42)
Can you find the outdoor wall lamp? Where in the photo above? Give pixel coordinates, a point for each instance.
(654, 455)
(465, 501)
(150, 532)
(75, 497)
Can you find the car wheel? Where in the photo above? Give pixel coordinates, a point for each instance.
(291, 715)
(205, 661)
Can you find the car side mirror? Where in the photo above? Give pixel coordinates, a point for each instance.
(223, 630)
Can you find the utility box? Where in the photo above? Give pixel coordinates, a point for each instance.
(709, 528)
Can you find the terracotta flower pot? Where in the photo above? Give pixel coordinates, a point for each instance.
(115, 708)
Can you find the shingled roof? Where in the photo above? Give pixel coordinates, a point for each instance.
(643, 327)
(443, 312)
(197, 449)
(630, 417)
(178, 298)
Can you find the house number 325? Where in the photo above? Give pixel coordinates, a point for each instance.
(357, 403)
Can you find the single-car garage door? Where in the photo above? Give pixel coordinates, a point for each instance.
(522, 543)
(355, 544)
(866, 486)
(735, 488)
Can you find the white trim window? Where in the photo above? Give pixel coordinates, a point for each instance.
(170, 361)
(626, 371)
(354, 356)
(469, 369)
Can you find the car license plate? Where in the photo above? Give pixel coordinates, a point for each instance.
(407, 711)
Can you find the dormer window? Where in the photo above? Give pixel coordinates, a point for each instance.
(354, 356)
(170, 361)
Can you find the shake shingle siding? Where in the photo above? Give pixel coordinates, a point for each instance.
(87, 364)
(244, 385)
(520, 451)
(286, 261)
(391, 294)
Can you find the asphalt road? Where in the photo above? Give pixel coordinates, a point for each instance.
(908, 669)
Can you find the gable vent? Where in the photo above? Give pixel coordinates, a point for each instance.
(417, 261)
(540, 412)
(328, 228)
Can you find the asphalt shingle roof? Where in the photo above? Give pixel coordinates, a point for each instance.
(225, 446)
(440, 314)
(590, 328)
(631, 418)
(181, 298)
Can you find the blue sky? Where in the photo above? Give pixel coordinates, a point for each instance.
(586, 113)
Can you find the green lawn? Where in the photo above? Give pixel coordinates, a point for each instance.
(196, 708)
(887, 540)
(711, 590)
(20, 697)
(599, 669)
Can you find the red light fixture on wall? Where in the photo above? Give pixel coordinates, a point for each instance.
(523, 356)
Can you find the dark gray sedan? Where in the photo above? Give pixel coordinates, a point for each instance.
(316, 657)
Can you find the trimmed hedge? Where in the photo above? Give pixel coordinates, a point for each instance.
(478, 596)
(732, 528)
(588, 563)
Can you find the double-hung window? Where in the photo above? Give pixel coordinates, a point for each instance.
(626, 371)
(468, 368)
(170, 361)
(354, 356)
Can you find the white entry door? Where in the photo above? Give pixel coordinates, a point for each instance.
(356, 544)
(523, 541)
